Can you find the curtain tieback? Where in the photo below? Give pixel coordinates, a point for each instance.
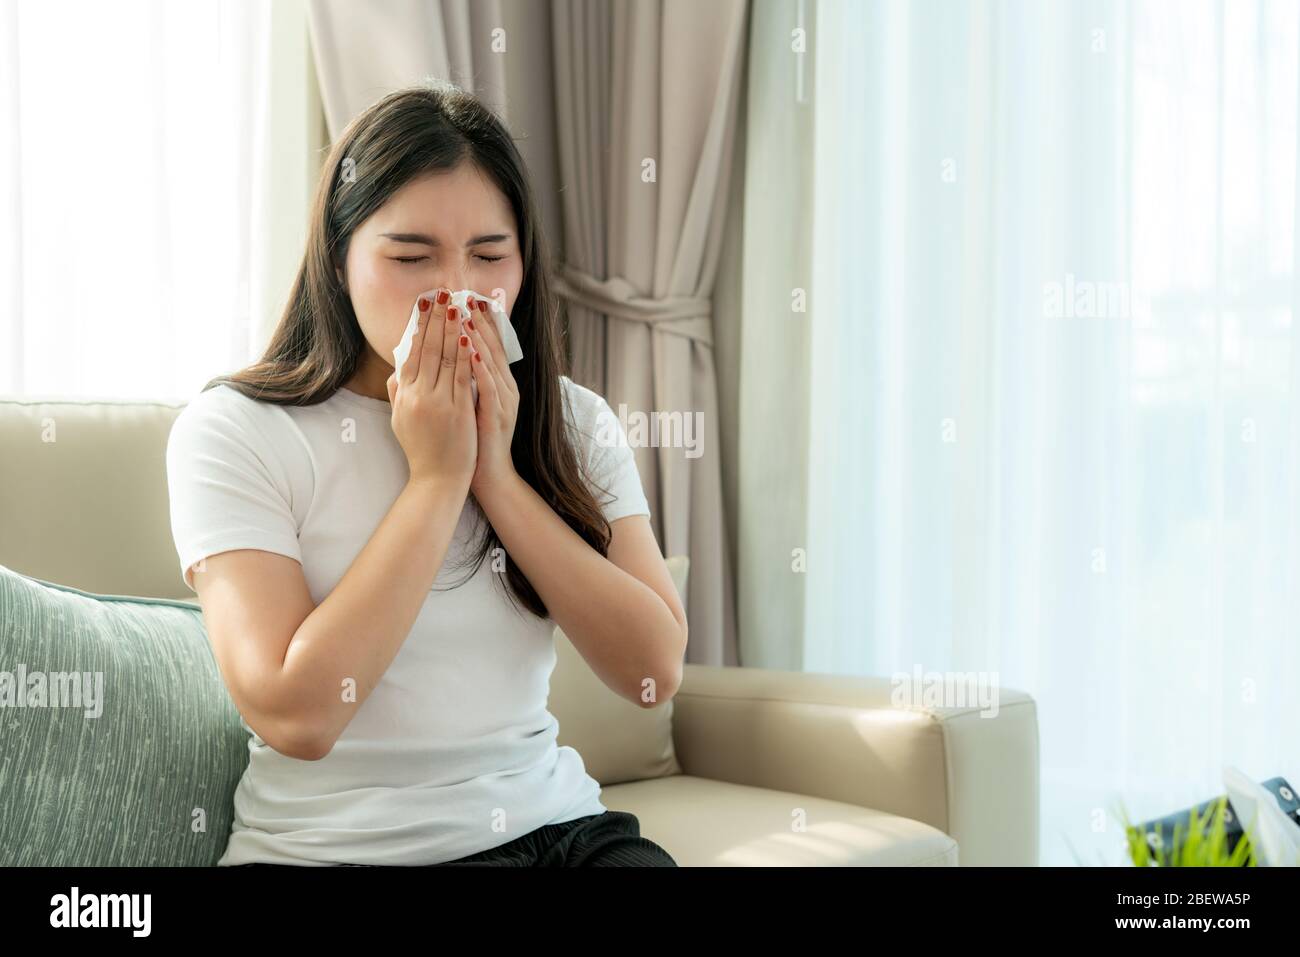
(687, 316)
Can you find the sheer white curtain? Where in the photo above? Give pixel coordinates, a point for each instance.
(1055, 409)
(141, 243)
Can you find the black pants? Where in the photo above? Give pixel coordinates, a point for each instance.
(611, 839)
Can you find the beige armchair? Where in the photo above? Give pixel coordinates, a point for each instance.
(743, 766)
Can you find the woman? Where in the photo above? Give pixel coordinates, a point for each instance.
(398, 716)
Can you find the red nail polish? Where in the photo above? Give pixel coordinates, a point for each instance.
(424, 304)
(451, 313)
(477, 357)
(470, 323)
(482, 305)
(464, 340)
(443, 296)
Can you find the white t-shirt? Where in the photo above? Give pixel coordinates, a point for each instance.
(454, 752)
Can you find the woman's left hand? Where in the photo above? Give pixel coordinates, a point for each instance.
(498, 399)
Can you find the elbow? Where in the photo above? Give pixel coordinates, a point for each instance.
(313, 749)
(655, 691)
(312, 745)
(671, 672)
(301, 743)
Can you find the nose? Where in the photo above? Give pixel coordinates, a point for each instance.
(454, 280)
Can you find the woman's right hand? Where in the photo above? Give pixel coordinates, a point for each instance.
(433, 407)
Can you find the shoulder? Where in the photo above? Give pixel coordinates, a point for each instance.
(606, 453)
(223, 404)
(221, 417)
(589, 416)
(582, 405)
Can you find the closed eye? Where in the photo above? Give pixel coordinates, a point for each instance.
(416, 259)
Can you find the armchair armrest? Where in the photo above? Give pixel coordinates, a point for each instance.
(840, 737)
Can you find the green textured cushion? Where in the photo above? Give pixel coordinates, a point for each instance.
(151, 780)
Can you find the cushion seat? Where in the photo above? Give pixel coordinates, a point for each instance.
(707, 823)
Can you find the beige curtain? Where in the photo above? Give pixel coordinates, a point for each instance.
(366, 50)
(773, 425)
(646, 105)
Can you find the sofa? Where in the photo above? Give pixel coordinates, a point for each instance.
(742, 767)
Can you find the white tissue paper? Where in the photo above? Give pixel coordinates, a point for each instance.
(459, 299)
(1275, 837)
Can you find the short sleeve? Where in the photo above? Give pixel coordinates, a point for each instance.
(610, 462)
(227, 479)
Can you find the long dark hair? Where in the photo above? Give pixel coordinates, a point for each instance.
(318, 342)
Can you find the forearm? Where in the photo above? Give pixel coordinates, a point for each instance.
(625, 631)
(341, 651)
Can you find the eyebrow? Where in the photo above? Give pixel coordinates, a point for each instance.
(424, 240)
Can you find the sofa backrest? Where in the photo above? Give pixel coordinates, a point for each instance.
(83, 495)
